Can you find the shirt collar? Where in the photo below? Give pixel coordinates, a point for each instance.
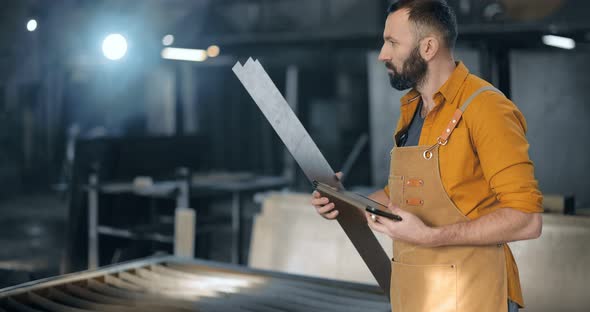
(448, 90)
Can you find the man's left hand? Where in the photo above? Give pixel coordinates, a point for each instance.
(411, 229)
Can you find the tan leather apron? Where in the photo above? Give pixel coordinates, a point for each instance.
(441, 279)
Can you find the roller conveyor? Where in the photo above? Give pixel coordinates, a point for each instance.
(175, 284)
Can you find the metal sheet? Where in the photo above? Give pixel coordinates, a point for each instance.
(173, 284)
(315, 166)
(280, 115)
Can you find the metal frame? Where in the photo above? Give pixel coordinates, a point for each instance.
(94, 229)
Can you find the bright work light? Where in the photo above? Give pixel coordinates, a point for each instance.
(114, 47)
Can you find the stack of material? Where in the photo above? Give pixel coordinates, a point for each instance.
(173, 284)
(289, 236)
(554, 269)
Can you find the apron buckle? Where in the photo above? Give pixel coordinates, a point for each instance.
(439, 141)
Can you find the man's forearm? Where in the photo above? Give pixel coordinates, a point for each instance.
(500, 226)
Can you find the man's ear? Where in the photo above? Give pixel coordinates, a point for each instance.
(429, 47)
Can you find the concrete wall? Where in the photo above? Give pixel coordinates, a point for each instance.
(551, 88)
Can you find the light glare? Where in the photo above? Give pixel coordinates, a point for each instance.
(32, 25)
(213, 51)
(179, 54)
(559, 42)
(114, 46)
(168, 40)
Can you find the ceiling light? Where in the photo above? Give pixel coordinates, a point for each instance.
(213, 51)
(32, 25)
(168, 40)
(559, 42)
(193, 55)
(114, 46)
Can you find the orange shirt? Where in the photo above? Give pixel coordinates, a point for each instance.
(485, 165)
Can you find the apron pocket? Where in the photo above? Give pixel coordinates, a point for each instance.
(423, 288)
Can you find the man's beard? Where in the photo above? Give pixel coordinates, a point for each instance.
(413, 72)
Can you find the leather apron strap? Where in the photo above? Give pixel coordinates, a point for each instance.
(444, 137)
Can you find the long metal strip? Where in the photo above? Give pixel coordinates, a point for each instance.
(18, 306)
(76, 302)
(315, 166)
(87, 294)
(52, 306)
(148, 278)
(315, 287)
(120, 290)
(342, 290)
(285, 122)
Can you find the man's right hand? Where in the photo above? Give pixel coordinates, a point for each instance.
(323, 205)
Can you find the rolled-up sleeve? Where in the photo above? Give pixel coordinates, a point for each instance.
(498, 131)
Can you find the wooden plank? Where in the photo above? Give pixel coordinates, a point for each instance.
(184, 232)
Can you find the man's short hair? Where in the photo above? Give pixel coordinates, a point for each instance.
(430, 15)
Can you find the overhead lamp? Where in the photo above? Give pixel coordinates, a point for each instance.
(114, 46)
(32, 25)
(168, 40)
(180, 54)
(213, 51)
(559, 42)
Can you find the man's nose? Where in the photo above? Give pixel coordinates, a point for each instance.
(383, 56)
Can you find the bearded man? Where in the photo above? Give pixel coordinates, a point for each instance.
(460, 174)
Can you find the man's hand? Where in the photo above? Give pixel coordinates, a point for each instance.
(323, 205)
(410, 230)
